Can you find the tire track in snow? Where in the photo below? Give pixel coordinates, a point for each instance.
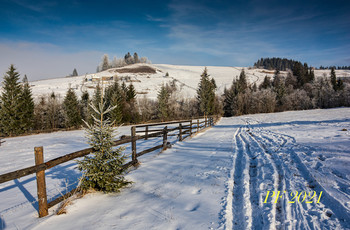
(274, 209)
(302, 180)
(228, 210)
(242, 187)
(254, 175)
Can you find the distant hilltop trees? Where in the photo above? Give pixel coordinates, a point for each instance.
(276, 63)
(285, 64)
(334, 67)
(128, 59)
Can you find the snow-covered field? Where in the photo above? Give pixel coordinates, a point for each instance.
(219, 179)
(148, 84)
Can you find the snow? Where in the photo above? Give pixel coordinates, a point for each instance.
(218, 179)
(148, 84)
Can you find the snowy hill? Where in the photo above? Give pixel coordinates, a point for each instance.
(148, 78)
(219, 179)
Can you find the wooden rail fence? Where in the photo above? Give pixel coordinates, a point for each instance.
(183, 130)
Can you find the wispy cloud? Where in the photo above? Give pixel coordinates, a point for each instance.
(154, 19)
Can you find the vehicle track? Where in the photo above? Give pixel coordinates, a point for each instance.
(263, 161)
(298, 178)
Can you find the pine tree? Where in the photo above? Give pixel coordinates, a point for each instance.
(113, 98)
(75, 72)
(71, 109)
(131, 93)
(242, 82)
(105, 63)
(27, 109)
(266, 83)
(136, 58)
(95, 101)
(229, 98)
(84, 105)
(103, 171)
(206, 94)
(334, 79)
(11, 115)
(163, 103)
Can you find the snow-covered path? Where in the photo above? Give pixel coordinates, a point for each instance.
(220, 179)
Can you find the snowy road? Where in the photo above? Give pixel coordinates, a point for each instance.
(220, 179)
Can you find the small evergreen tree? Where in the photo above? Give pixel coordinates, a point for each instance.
(27, 108)
(229, 98)
(136, 58)
(71, 109)
(242, 82)
(105, 63)
(131, 93)
(75, 72)
(103, 171)
(334, 79)
(114, 98)
(84, 105)
(163, 103)
(11, 114)
(206, 94)
(266, 83)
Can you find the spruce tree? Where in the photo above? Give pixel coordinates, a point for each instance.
(229, 98)
(206, 94)
(242, 82)
(96, 97)
(334, 79)
(11, 114)
(84, 105)
(136, 58)
(27, 108)
(163, 103)
(72, 109)
(266, 83)
(131, 93)
(105, 63)
(103, 170)
(113, 98)
(75, 73)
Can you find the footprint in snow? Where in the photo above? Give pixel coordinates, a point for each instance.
(193, 207)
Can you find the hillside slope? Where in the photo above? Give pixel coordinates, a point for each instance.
(148, 78)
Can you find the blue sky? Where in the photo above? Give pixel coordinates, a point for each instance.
(46, 39)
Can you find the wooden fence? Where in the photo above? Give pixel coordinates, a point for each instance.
(183, 129)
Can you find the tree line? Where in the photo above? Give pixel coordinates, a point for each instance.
(299, 90)
(334, 67)
(276, 63)
(19, 114)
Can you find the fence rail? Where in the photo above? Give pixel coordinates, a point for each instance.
(185, 129)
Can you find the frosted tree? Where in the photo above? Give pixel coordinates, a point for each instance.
(105, 62)
(102, 170)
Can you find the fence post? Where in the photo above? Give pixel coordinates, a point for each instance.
(197, 125)
(191, 127)
(205, 121)
(180, 132)
(146, 136)
(165, 138)
(40, 182)
(133, 144)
